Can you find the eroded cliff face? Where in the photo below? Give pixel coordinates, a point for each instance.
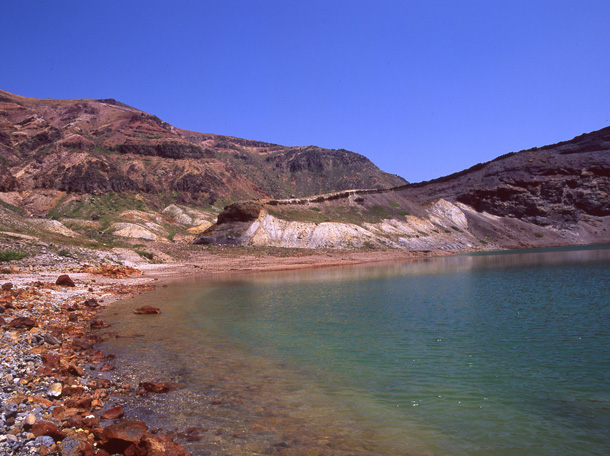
(441, 225)
(555, 195)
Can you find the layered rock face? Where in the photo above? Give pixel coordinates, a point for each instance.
(555, 195)
(104, 146)
(555, 185)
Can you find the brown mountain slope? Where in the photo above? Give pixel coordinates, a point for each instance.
(552, 185)
(103, 146)
(554, 195)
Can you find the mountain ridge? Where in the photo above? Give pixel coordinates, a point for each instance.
(103, 146)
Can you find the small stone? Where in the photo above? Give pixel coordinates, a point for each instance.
(162, 444)
(113, 413)
(51, 339)
(30, 419)
(106, 367)
(64, 280)
(92, 303)
(55, 390)
(44, 440)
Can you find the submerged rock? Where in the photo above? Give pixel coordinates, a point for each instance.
(147, 310)
(155, 387)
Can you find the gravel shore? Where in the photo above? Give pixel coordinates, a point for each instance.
(56, 387)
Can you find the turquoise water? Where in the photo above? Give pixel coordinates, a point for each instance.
(470, 355)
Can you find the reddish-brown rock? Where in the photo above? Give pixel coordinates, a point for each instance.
(50, 360)
(119, 437)
(99, 324)
(47, 428)
(22, 322)
(113, 413)
(106, 367)
(80, 403)
(155, 387)
(64, 280)
(81, 344)
(162, 445)
(74, 370)
(147, 310)
(73, 390)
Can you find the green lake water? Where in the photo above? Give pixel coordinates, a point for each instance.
(489, 354)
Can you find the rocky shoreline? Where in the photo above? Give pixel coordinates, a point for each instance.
(56, 387)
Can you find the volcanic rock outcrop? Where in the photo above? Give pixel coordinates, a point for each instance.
(549, 196)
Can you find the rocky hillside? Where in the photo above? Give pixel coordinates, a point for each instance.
(55, 151)
(554, 195)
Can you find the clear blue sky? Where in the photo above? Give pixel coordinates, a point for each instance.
(422, 88)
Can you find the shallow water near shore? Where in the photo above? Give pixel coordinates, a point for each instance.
(474, 354)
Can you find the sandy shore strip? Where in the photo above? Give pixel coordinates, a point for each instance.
(56, 387)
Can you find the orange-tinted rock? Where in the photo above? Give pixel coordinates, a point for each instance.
(118, 437)
(99, 383)
(147, 310)
(42, 401)
(162, 445)
(80, 403)
(113, 413)
(47, 428)
(64, 280)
